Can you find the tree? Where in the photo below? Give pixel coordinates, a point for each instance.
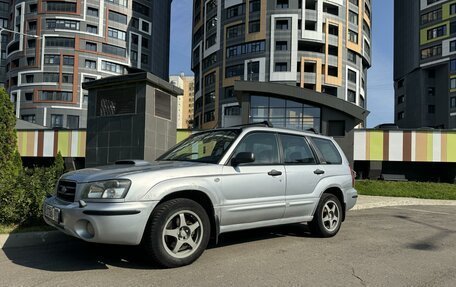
(10, 164)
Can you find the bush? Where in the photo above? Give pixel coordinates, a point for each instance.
(22, 204)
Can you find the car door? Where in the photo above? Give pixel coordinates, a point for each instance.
(302, 175)
(254, 191)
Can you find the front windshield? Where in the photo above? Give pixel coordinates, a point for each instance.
(207, 147)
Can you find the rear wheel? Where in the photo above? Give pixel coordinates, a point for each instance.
(178, 233)
(328, 216)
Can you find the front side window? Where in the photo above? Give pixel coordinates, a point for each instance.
(207, 147)
(262, 145)
(296, 150)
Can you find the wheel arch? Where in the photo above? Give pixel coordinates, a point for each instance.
(337, 192)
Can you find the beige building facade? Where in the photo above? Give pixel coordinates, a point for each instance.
(185, 102)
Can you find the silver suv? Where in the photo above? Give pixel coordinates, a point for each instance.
(214, 182)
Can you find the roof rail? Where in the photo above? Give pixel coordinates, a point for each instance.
(264, 123)
(312, 130)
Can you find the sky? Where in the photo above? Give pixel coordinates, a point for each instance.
(380, 101)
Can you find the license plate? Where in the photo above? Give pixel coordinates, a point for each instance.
(51, 212)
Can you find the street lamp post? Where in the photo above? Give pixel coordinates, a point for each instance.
(15, 32)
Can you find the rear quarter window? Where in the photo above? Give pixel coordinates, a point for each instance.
(328, 150)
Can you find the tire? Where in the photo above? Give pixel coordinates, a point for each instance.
(177, 233)
(328, 216)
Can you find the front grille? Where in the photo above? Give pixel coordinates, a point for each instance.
(66, 190)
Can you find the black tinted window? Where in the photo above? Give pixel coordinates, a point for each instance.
(296, 150)
(263, 146)
(328, 150)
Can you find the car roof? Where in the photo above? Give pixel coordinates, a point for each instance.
(249, 128)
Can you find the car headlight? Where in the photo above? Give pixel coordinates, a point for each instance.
(109, 189)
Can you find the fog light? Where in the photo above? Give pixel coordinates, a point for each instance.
(90, 229)
(84, 229)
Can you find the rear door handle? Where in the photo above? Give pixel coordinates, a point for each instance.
(319, 171)
(274, 173)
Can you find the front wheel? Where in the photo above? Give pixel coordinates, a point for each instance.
(328, 216)
(178, 233)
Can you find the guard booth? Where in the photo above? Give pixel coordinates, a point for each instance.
(130, 117)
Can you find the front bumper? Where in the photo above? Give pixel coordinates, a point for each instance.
(111, 223)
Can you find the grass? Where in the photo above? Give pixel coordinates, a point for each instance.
(427, 190)
(4, 229)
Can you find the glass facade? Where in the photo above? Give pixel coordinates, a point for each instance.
(284, 113)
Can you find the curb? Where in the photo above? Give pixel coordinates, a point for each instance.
(28, 239)
(368, 202)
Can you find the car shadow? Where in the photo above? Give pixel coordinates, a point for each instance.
(76, 255)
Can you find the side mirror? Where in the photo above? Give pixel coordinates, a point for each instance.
(243, 157)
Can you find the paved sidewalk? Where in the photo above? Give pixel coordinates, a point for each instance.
(366, 202)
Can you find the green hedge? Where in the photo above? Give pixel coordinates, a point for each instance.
(21, 203)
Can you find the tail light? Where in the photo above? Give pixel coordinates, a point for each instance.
(353, 174)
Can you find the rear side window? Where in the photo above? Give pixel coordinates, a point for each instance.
(296, 150)
(328, 150)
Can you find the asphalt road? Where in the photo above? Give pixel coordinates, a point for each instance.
(396, 246)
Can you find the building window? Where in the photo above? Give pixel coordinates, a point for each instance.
(211, 24)
(91, 46)
(352, 76)
(436, 32)
(333, 71)
(284, 113)
(235, 11)
(253, 71)
(453, 65)
(67, 78)
(72, 122)
(62, 24)
(401, 99)
(431, 52)
(119, 2)
(114, 50)
(209, 116)
(162, 105)
(56, 121)
(117, 17)
(209, 79)
(330, 9)
(33, 8)
(117, 34)
(92, 12)
(453, 9)
(283, 4)
(353, 17)
(144, 59)
(255, 6)
(400, 115)
(60, 6)
(234, 71)
(351, 56)
(235, 31)
(92, 29)
(431, 16)
(68, 60)
(140, 8)
(431, 109)
(453, 46)
(89, 64)
(52, 59)
(453, 83)
(32, 25)
(333, 30)
(145, 26)
(51, 77)
(232, 111)
(56, 96)
(28, 96)
(229, 92)
(282, 24)
(29, 79)
(353, 36)
(281, 45)
(453, 102)
(31, 43)
(400, 83)
(112, 67)
(248, 48)
(431, 92)
(59, 42)
(354, 2)
(29, 118)
(351, 96)
(281, 67)
(254, 26)
(211, 41)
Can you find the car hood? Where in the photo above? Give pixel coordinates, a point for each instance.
(123, 170)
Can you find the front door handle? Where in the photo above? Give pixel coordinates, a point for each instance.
(319, 171)
(274, 173)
